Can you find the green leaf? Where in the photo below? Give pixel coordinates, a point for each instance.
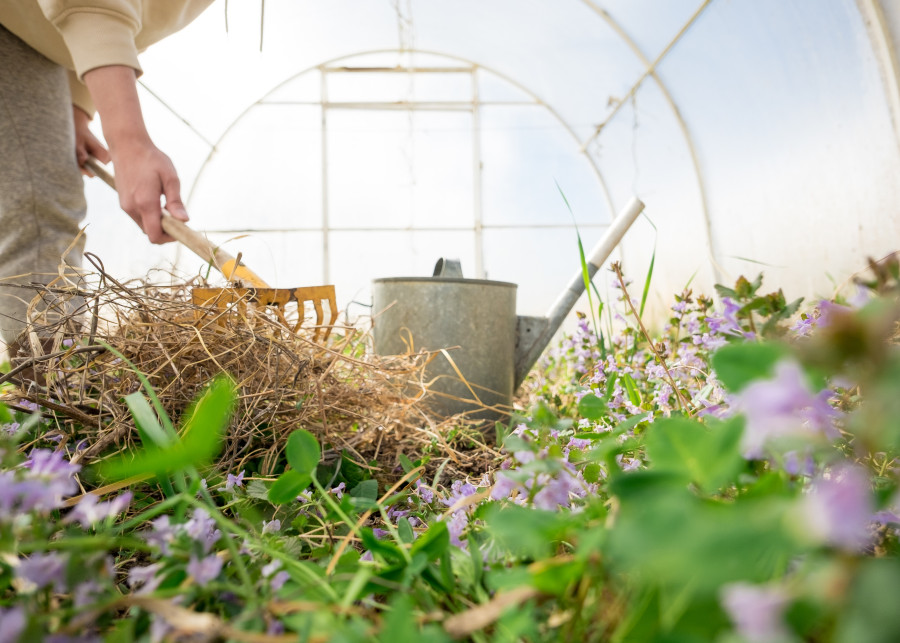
(433, 543)
(630, 423)
(556, 576)
(5, 416)
(303, 451)
(388, 550)
(257, 489)
(208, 418)
(148, 425)
(405, 463)
(405, 531)
(591, 473)
(525, 532)
(367, 490)
(634, 395)
(288, 486)
(708, 457)
(200, 441)
(592, 407)
(399, 621)
(737, 365)
(871, 614)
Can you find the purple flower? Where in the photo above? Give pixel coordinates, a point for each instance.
(201, 528)
(426, 494)
(30, 406)
(804, 326)
(13, 624)
(43, 570)
(162, 534)
(396, 514)
(89, 510)
(794, 465)
(278, 580)
(11, 428)
(456, 525)
(757, 611)
(233, 481)
(86, 592)
(270, 568)
(204, 569)
(578, 443)
(145, 577)
(838, 508)
(339, 490)
(781, 407)
(50, 464)
(828, 311)
(555, 493)
(271, 527)
(458, 491)
(503, 487)
(886, 517)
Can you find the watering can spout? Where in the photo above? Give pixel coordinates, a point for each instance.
(533, 334)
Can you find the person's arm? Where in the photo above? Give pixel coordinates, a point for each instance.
(143, 173)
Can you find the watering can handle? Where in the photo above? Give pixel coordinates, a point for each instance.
(448, 268)
(541, 330)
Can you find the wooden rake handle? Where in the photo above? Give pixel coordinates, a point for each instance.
(195, 241)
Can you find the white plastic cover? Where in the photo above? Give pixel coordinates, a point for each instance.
(760, 134)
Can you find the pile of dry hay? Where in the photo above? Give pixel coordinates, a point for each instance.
(369, 408)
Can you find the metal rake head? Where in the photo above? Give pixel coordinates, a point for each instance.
(277, 300)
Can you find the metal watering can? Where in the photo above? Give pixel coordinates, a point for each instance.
(485, 350)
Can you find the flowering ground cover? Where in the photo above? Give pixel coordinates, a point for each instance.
(732, 477)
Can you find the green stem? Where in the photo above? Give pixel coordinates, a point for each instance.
(101, 542)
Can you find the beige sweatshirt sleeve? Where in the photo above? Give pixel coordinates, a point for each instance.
(97, 33)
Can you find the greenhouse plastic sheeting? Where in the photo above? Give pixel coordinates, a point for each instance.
(340, 141)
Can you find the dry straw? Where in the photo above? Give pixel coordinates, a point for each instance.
(370, 408)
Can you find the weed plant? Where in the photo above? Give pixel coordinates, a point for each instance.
(733, 478)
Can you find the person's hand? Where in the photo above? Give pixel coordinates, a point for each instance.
(86, 144)
(144, 175)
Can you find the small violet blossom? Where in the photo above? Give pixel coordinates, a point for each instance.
(458, 491)
(205, 569)
(43, 570)
(271, 527)
(145, 578)
(13, 620)
(757, 611)
(456, 525)
(90, 511)
(201, 528)
(278, 580)
(782, 407)
(161, 534)
(232, 481)
(838, 508)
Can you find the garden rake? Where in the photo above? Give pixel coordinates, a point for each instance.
(248, 286)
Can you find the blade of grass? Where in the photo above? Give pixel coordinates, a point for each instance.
(650, 269)
(584, 269)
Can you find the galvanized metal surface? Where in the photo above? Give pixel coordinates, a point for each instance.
(473, 320)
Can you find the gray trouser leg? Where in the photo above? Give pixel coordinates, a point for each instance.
(41, 189)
